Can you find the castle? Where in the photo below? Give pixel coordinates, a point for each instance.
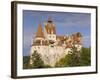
(53, 47)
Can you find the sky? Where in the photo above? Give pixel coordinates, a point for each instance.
(66, 23)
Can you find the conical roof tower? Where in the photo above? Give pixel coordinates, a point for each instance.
(39, 33)
(49, 26)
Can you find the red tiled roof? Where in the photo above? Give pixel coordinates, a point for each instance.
(61, 38)
(49, 27)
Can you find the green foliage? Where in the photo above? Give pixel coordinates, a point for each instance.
(73, 58)
(26, 62)
(76, 58)
(62, 62)
(85, 57)
(37, 61)
(70, 60)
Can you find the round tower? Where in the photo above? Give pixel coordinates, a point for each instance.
(50, 30)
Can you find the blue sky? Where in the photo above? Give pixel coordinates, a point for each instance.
(66, 24)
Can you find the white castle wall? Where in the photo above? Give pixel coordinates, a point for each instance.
(50, 55)
(78, 46)
(51, 37)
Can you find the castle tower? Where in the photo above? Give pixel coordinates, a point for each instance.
(50, 31)
(38, 39)
(39, 33)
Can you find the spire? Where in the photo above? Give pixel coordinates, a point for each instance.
(39, 32)
(50, 27)
(49, 19)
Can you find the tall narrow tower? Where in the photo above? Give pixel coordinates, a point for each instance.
(50, 31)
(39, 33)
(38, 40)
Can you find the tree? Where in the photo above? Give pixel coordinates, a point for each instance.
(37, 61)
(70, 60)
(85, 57)
(26, 62)
(74, 57)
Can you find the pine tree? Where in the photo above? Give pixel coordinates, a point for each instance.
(73, 59)
(37, 61)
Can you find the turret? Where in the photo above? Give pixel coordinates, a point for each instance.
(39, 33)
(50, 31)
